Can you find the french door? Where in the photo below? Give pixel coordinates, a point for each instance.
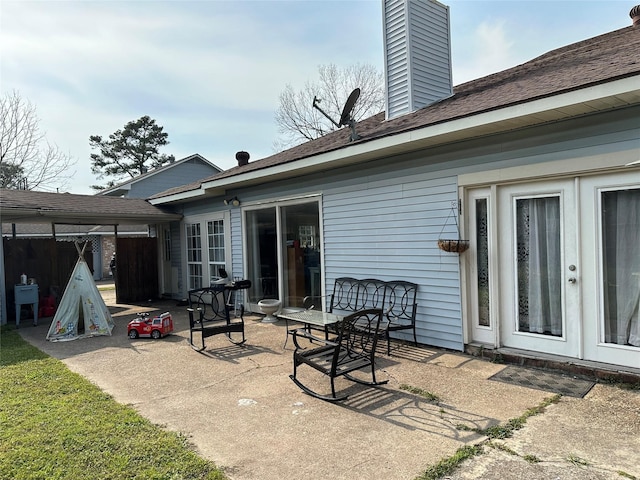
(206, 239)
(611, 258)
(555, 267)
(539, 268)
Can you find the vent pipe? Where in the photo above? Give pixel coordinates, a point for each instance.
(417, 54)
(242, 158)
(635, 15)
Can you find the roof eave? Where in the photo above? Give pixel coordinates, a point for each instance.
(117, 191)
(179, 197)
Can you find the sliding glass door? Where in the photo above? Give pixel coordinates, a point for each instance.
(283, 253)
(300, 253)
(262, 253)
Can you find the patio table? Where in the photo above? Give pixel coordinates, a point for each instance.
(310, 319)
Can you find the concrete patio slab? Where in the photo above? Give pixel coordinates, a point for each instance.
(239, 408)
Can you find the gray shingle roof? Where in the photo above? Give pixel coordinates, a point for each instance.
(590, 62)
(26, 206)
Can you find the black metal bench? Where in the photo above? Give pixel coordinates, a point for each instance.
(209, 315)
(353, 349)
(397, 299)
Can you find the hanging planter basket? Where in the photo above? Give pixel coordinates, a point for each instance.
(453, 245)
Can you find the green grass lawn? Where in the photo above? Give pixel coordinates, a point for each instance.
(55, 424)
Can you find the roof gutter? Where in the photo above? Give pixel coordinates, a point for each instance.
(601, 97)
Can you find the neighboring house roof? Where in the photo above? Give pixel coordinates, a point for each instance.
(593, 75)
(122, 188)
(28, 206)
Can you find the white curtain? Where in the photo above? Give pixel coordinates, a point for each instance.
(544, 266)
(626, 231)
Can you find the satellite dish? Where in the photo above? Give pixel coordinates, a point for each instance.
(345, 118)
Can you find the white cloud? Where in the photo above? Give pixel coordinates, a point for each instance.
(490, 50)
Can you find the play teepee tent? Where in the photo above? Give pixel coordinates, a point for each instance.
(82, 311)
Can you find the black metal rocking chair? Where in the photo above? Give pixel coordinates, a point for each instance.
(209, 315)
(353, 349)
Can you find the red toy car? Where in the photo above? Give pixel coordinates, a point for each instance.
(156, 327)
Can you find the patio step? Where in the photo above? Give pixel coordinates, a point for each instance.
(601, 372)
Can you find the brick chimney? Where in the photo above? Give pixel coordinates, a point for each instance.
(417, 52)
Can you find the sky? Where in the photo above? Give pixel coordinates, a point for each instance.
(211, 71)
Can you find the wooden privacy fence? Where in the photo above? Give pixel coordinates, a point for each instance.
(51, 263)
(47, 261)
(136, 274)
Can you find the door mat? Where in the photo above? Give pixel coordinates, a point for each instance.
(543, 380)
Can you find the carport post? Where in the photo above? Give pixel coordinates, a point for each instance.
(3, 289)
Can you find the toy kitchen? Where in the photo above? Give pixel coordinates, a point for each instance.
(26, 293)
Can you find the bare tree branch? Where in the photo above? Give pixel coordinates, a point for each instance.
(299, 122)
(27, 159)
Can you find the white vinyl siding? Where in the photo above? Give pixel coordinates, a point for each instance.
(383, 218)
(418, 55)
(166, 178)
(237, 270)
(389, 230)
